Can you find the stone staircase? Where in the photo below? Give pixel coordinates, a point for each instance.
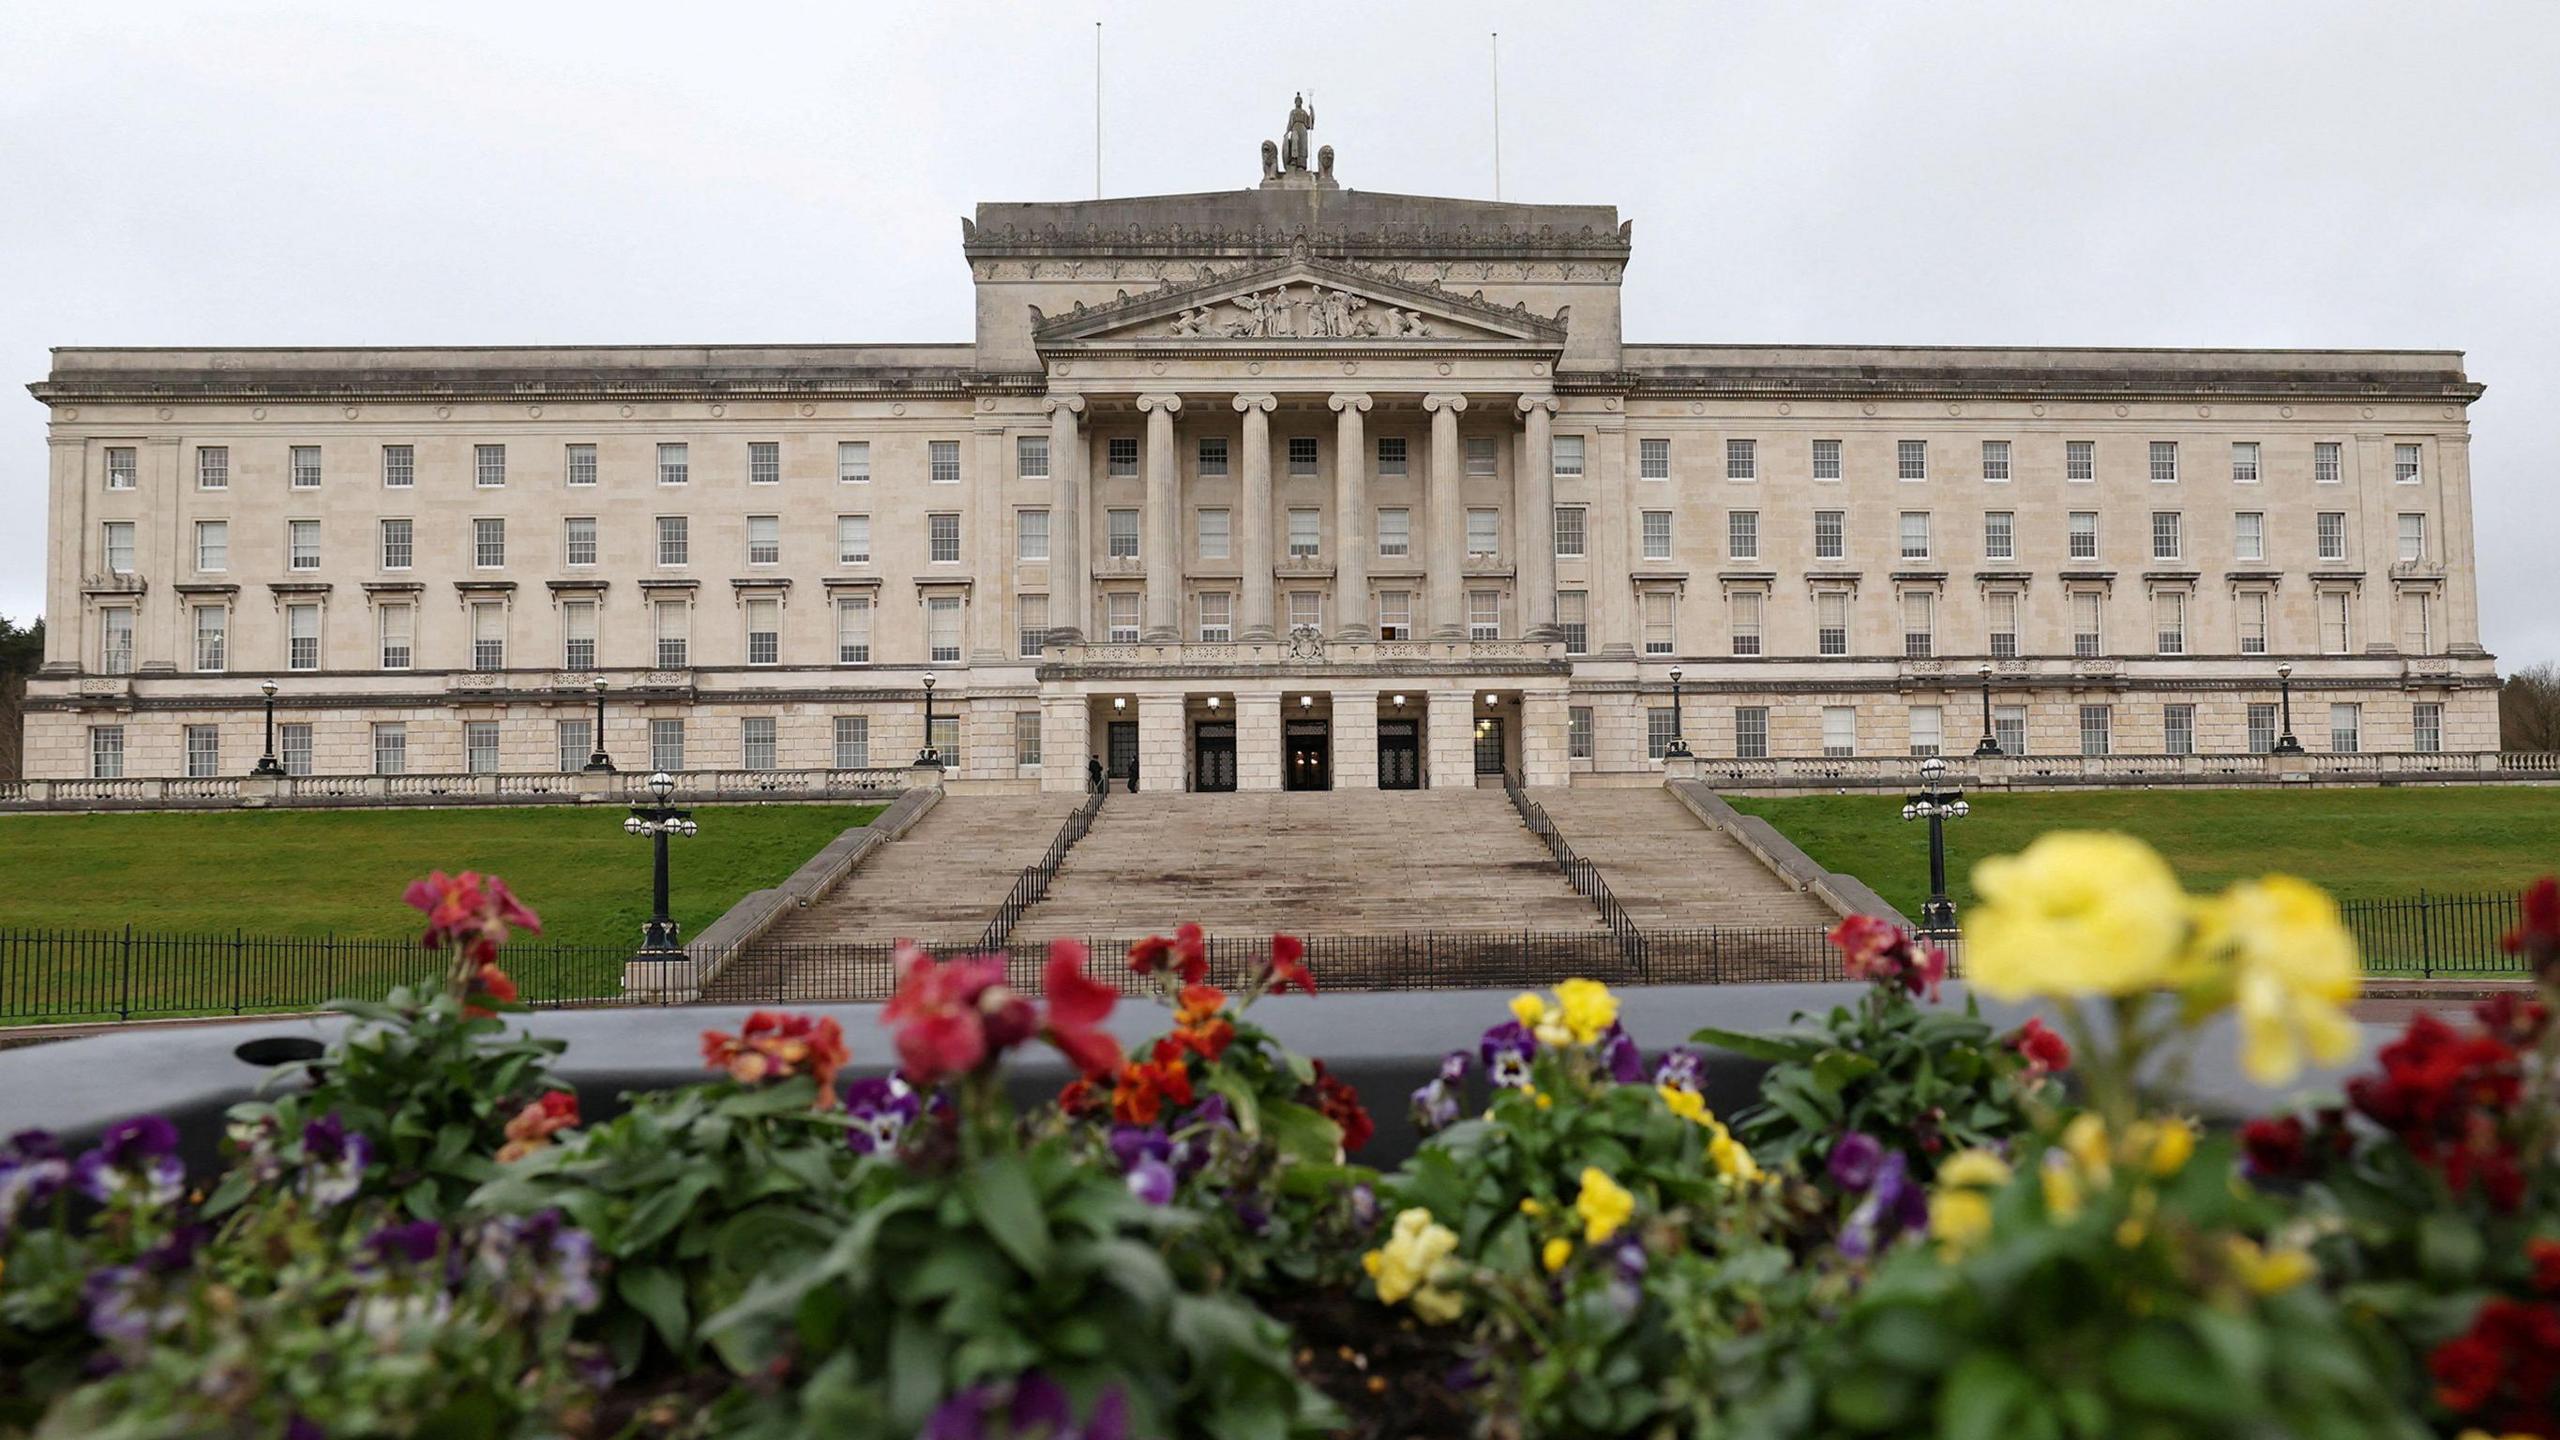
(1340, 862)
(1670, 871)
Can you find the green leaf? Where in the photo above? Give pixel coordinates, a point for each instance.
(1836, 1070)
(652, 1219)
(1776, 1049)
(2449, 1248)
(1247, 1106)
(1000, 1194)
(1984, 1389)
(1301, 1133)
(656, 1292)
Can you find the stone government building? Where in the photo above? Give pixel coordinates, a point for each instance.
(1288, 486)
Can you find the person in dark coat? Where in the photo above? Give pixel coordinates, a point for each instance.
(1133, 777)
(1093, 772)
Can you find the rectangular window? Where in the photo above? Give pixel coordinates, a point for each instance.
(1395, 614)
(399, 466)
(1658, 612)
(1826, 466)
(489, 543)
(1911, 459)
(1306, 610)
(942, 629)
(1577, 732)
(1391, 455)
(2002, 609)
(1484, 532)
(1928, 729)
(671, 626)
(116, 538)
(2164, 462)
(1213, 455)
(1121, 611)
(1395, 530)
(1751, 732)
(488, 466)
(2009, 727)
(2244, 462)
(1742, 535)
(306, 467)
(213, 546)
(2417, 622)
(293, 747)
(213, 635)
(1746, 621)
(1830, 534)
(1214, 541)
(390, 748)
(1573, 620)
(2331, 533)
(578, 540)
(2346, 724)
(1483, 456)
(582, 465)
(480, 746)
(122, 469)
(1919, 624)
(2167, 539)
(115, 640)
(1120, 531)
(943, 528)
(675, 463)
(1026, 739)
(1305, 534)
(1567, 453)
(2327, 463)
(398, 627)
(1661, 723)
(1999, 535)
(1741, 460)
(764, 462)
(1484, 614)
(2262, 728)
(1915, 534)
(853, 539)
(853, 742)
(675, 540)
(2169, 621)
(2084, 535)
(764, 632)
(2097, 729)
(578, 634)
(1031, 535)
(764, 539)
(943, 734)
(2249, 535)
(2178, 729)
(1031, 457)
(2252, 608)
(853, 462)
(1302, 455)
(1657, 534)
(2413, 538)
(2080, 460)
(575, 741)
(302, 544)
(302, 637)
(1570, 537)
(1995, 461)
(488, 635)
(942, 462)
(2337, 631)
(756, 742)
(1839, 731)
(1217, 617)
(2404, 465)
(2087, 615)
(1120, 457)
(666, 744)
(213, 467)
(1831, 622)
(2426, 727)
(853, 629)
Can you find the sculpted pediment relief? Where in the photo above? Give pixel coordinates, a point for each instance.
(1300, 299)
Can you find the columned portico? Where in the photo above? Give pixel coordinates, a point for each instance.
(1351, 520)
(1164, 520)
(1447, 518)
(1253, 544)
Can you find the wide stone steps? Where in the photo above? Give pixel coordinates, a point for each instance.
(1668, 869)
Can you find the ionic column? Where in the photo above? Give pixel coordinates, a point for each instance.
(1163, 523)
(1070, 568)
(1534, 486)
(1351, 537)
(1448, 546)
(1253, 518)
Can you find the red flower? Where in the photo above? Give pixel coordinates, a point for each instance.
(1341, 1105)
(471, 912)
(2044, 1051)
(2545, 1258)
(2502, 1371)
(1077, 1097)
(489, 983)
(2512, 1018)
(1078, 1004)
(942, 1012)
(536, 1123)
(2276, 1148)
(1186, 954)
(777, 1047)
(1878, 950)
(1143, 1090)
(1288, 965)
(2537, 932)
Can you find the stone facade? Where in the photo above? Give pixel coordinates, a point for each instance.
(1384, 454)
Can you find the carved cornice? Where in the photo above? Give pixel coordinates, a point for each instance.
(1171, 297)
(1417, 240)
(1925, 382)
(513, 384)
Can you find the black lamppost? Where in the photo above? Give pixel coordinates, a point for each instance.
(1938, 802)
(599, 763)
(1678, 748)
(1990, 744)
(929, 755)
(2285, 743)
(268, 765)
(658, 820)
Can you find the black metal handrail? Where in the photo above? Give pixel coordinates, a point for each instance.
(1032, 885)
(1581, 874)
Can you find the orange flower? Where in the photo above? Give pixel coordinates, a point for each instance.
(1145, 1089)
(777, 1047)
(488, 982)
(1288, 965)
(536, 1123)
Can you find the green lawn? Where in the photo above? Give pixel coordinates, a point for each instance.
(2358, 844)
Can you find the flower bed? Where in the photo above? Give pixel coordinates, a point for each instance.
(1925, 1224)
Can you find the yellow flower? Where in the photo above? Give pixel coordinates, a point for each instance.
(1687, 1104)
(1589, 1009)
(1544, 1100)
(2136, 1226)
(1530, 1205)
(1405, 1266)
(2085, 1141)
(2061, 1186)
(1556, 1252)
(2276, 949)
(2075, 913)
(2269, 1272)
(1959, 1219)
(1528, 1007)
(1604, 1205)
(1974, 1169)
(2161, 1146)
(1732, 1159)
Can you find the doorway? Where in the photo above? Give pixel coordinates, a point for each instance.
(1489, 747)
(1213, 755)
(1308, 749)
(1120, 749)
(1399, 755)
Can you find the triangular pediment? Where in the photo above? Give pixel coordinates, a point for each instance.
(1299, 299)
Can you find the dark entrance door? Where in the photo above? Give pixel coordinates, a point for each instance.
(1120, 753)
(1489, 745)
(1308, 749)
(1213, 755)
(1399, 755)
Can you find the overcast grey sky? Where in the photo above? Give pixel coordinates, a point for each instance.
(2226, 173)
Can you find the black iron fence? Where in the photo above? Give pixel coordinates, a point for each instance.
(1581, 874)
(1032, 886)
(2427, 934)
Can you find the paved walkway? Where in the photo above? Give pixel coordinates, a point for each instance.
(1668, 868)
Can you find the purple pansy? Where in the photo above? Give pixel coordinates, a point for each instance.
(543, 1264)
(1144, 1154)
(1618, 1052)
(32, 1172)
(1364, 1207)
(1854, 1161)
(881, 1108)
(1031, 1407)
(333, 1160)
(125, 1305)
(1894, 1205)
(414, 1242)
(1435, 1107)
(137, 1156)
(1199, 1128)
(1507, 1049)
(1683, 1068)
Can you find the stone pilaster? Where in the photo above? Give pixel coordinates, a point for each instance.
(1355, 739)
(1163, 528)
(1070, 566)
(1449, 742)
(67, 646)
(2460, 624)
(1065, 739)
(1446, 515)
(1612, 541)
(1160, 743)
(2376, 545)
(1351, 537)
(1252, 522)
(989, 613)
(1542, 738)
(1258, 744)
(1534, 531)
